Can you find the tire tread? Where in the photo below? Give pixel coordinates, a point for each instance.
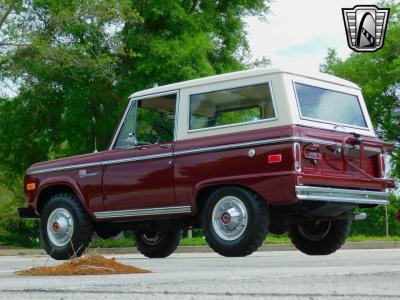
(334, 240)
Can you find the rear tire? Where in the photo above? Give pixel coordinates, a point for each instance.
(157, 244)
(235, 222)
(65, 227)
(320, 238)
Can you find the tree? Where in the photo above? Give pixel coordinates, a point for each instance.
(74, 63)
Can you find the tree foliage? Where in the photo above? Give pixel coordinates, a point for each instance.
(75, 62)
(72, 64)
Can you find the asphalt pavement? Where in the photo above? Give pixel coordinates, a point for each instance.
(347, 274)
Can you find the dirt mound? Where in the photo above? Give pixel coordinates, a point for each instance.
(87, 265)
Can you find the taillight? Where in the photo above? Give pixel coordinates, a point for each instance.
(382, 165)
(297, 157)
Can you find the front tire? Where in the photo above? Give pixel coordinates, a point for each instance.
(320, 238)
(157, 244)
(235, 222)
(65, 227)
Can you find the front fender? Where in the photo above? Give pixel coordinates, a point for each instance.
(61, 181)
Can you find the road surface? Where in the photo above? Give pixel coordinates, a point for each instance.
(347, 274)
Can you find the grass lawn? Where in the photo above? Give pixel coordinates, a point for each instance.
(200, 241)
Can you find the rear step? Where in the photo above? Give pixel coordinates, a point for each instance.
(313, 193)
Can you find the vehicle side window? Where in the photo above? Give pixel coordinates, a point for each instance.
(155, 120)
(149, 121)
(231, 106)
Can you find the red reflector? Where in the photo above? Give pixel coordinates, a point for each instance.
(274, 158)
(398, 216)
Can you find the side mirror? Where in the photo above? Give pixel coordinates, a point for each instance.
(132, 141)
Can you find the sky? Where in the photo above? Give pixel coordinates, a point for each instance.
(298, 33)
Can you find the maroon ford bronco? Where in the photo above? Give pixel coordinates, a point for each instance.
(238, 155)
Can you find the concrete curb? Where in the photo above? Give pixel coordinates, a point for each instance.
(206, 249)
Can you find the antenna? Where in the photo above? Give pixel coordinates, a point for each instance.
(95, 145)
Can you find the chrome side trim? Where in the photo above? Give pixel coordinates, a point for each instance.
(104, 163)
(143, 212)
(138, 158)
(65, 168)
(312, 193)
(199, 150)
(238, 145)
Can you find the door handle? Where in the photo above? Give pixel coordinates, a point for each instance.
(166, 146)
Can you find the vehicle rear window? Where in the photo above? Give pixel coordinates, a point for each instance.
(329, 106)
(231, 106)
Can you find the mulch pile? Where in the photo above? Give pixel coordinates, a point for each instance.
(87, 265)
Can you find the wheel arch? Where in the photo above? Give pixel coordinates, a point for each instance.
(205, 192)
(54, 188)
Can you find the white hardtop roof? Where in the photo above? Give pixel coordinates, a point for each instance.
(243, 74)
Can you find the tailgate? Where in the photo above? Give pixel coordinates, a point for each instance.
(343, 155)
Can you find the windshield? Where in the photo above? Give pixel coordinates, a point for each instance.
(329, 106)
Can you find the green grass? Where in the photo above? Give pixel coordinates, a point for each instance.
(100, 243)
(194, 241)
(364, 238)
(200, 241)
(277, 239)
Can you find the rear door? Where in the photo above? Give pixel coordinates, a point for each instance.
(323, 154)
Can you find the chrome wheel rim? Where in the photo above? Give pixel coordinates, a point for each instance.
(229, 218)
(317, 231)
(60, 227)
(152, 239)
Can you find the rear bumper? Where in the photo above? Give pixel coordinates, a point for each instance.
(314, 193)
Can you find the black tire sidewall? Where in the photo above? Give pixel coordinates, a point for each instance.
(74, 247)
(332, 241)
(166, 246)
(224, 247)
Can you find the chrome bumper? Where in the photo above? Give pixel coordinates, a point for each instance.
(313, 193)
